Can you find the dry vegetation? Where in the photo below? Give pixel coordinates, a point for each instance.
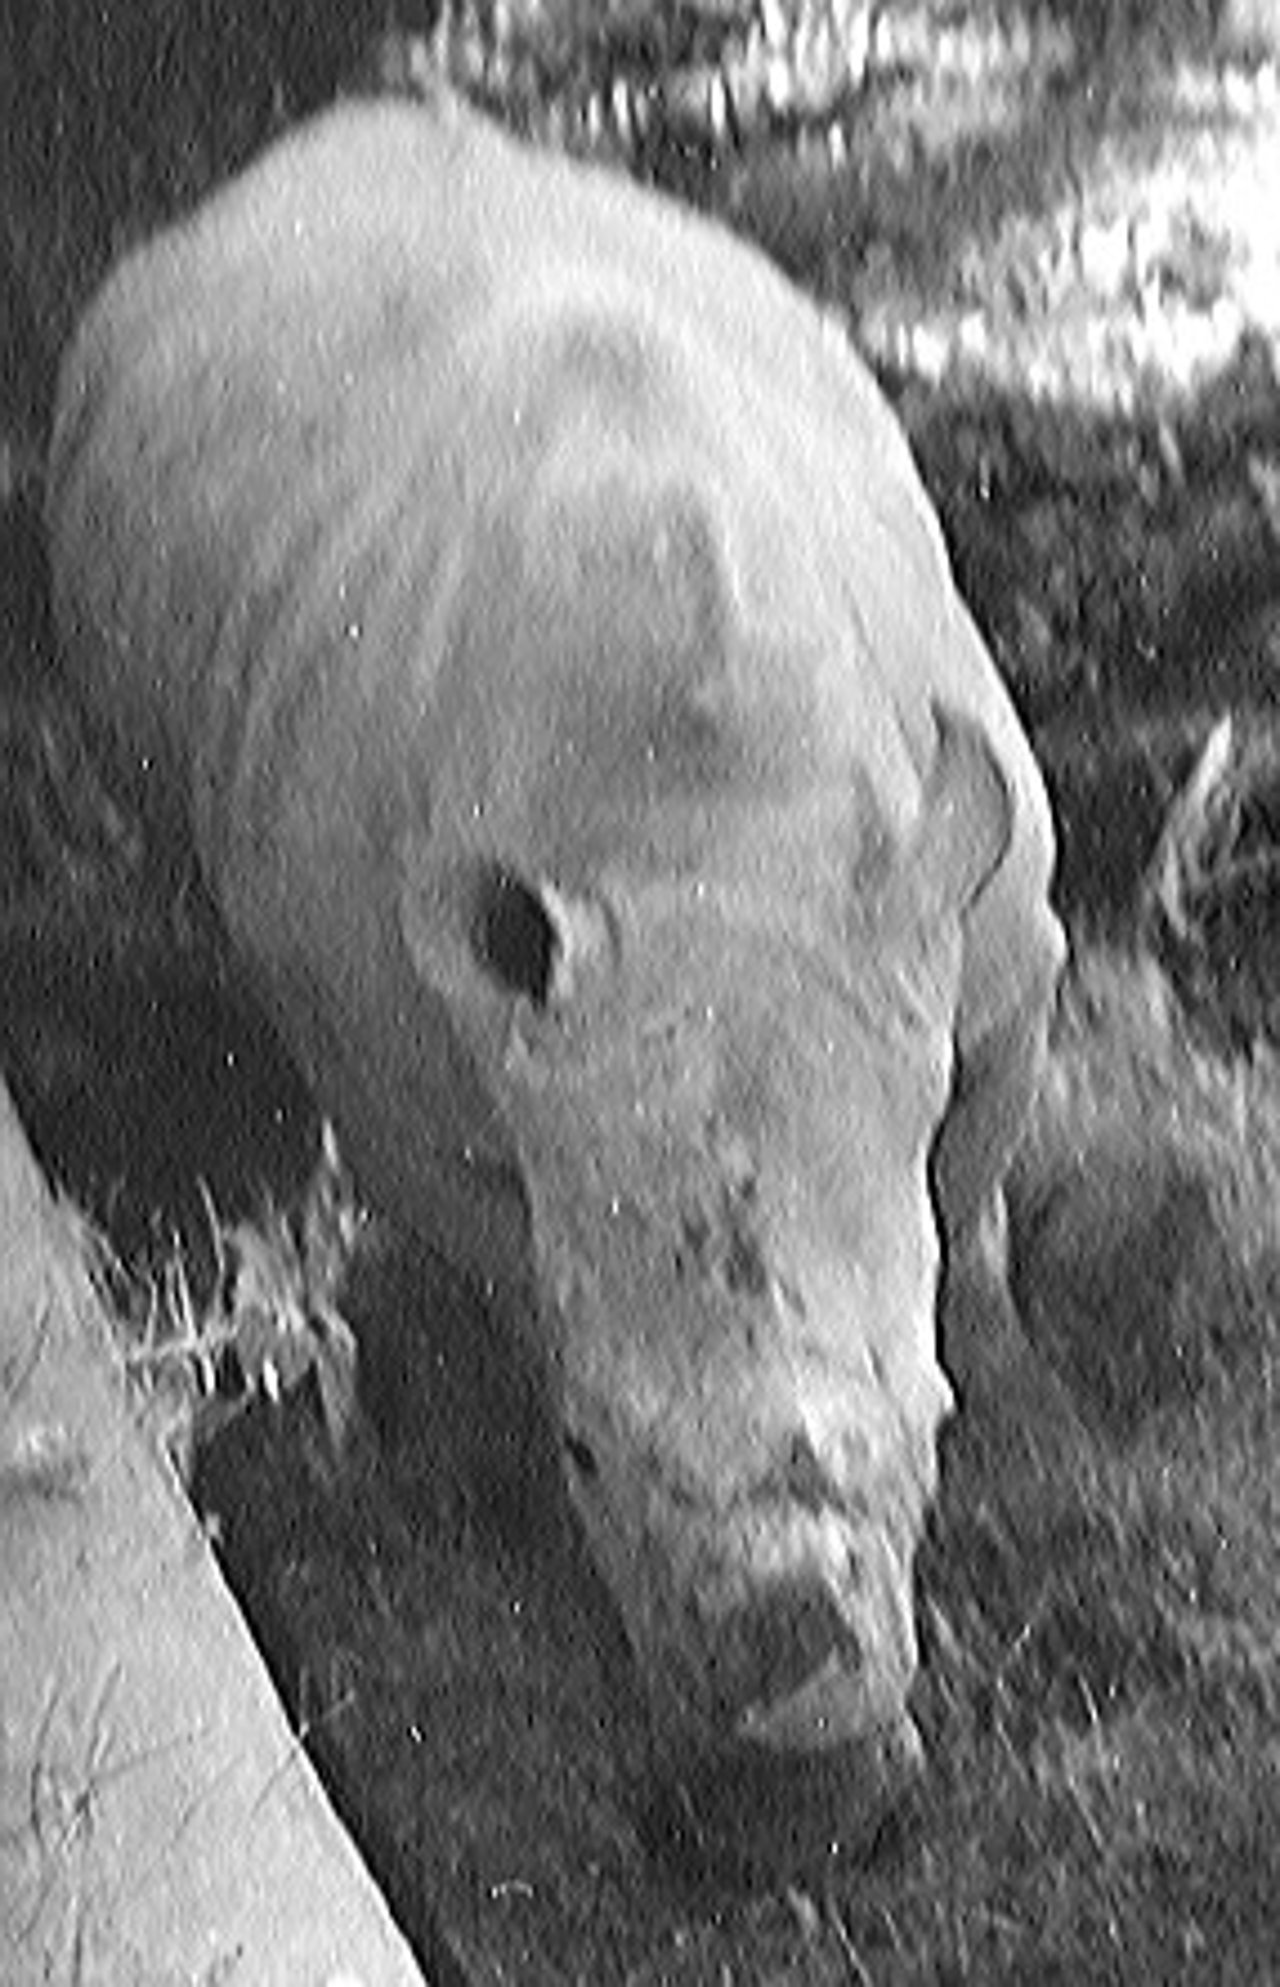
(1061, 243)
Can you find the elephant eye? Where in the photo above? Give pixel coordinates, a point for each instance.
(513, 936)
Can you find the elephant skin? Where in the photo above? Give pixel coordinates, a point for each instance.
(529, 604)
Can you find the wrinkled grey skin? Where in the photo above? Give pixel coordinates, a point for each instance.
(533, 607)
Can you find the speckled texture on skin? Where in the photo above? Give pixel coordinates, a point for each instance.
(534, 607)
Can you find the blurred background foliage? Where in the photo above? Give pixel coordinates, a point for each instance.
(115, 114)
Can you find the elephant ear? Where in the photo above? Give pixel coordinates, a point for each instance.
(960, 839)
(966, 821)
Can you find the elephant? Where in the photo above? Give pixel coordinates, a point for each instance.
(528, 605)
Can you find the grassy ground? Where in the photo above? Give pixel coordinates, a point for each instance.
(1104, 1674)
(1068, 269)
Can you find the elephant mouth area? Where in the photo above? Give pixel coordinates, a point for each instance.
(785, 1670)
(782, 1623)
(771, 1708)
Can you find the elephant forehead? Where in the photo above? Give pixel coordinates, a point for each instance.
(613, 673)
